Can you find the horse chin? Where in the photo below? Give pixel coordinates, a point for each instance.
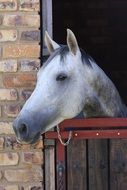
(34, 140)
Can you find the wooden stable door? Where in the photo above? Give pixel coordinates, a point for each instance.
(88, 165)
(97, 163)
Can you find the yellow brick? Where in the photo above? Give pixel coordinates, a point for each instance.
(8, 65)
(0, 174)
(8, 5)
(9, 159)
(33, 157)
(9, 187)
(12, 110)
(8, 94)
(35, 186)
(24, 20)
(21, 175)
(28, 5)
(6, 128)
(19, 51)
(38, 145)
(1, 143)
(8, 35)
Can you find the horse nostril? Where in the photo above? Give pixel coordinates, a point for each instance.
(23, 130)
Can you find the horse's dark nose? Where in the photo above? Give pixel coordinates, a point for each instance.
(21, 130)
(25, 130)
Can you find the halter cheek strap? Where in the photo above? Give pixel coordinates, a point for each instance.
(79, 116)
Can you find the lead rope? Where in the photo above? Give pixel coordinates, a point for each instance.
(60, 137)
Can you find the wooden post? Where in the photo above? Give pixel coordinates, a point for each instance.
(49, 168)
(49, 144)
(60, 166)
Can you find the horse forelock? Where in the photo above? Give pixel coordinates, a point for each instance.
(63, 51)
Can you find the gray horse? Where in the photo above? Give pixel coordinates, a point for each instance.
(68, 83)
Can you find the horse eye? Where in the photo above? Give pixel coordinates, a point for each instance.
(61, 77)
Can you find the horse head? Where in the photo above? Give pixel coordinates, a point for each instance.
(58, 92)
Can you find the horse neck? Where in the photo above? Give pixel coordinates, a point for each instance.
(105, 100)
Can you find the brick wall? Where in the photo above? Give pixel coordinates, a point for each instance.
(20, 166)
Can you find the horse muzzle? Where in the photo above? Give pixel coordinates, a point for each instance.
(24, 128)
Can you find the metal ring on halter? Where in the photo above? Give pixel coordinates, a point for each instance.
(60, 138)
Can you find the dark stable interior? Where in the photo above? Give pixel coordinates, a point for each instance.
(101, 30)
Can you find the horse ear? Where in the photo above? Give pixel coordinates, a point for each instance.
(72, 42)
(50, 44)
